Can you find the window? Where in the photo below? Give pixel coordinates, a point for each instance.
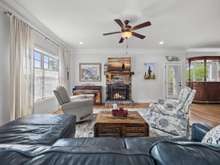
(204, 69)
(46, 74)
(213, 70)
(197, 70)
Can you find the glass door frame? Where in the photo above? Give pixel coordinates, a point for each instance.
(179, 64)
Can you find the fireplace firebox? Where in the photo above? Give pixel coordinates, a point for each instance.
(117, 92)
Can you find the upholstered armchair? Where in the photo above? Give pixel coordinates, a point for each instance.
(79, 106)
(171, 116)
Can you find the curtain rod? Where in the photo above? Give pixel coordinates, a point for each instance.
(35, 29)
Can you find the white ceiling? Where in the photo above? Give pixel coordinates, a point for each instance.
(179, 23)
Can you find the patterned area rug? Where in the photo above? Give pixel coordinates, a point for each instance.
(86, 129)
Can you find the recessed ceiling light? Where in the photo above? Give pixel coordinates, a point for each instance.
(161, 42)
(81, 43)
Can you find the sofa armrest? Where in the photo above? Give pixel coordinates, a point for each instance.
(77, 104)
(199, 131)
(184, 153)
(82, 96)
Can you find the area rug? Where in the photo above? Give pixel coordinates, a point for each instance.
(86, 129)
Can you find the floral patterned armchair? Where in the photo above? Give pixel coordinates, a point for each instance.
(171, 116)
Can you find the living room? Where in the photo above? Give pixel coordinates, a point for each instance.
(109, 82)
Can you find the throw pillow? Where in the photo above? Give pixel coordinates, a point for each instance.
(213, 136)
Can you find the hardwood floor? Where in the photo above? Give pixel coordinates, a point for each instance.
(199, 113)
(205, 113)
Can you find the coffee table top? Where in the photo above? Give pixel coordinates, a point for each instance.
(106, 117)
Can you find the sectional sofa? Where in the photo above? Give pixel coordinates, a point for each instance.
(48, 140)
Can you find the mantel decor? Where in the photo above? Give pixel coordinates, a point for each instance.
(90, 72)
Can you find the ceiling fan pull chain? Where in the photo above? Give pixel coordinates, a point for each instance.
(126, 53)
(127, 47)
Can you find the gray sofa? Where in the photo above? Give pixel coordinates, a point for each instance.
(20, 149)
(80, 106)
(38, 129)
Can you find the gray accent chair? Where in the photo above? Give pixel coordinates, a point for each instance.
(80, 106)
(171, 116)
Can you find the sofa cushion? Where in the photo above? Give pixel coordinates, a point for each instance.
(62, 95)
(43, 119)
(38, 129)
(212, 136)
(142, 143)
(102, 142)
(83, 155)
(185, 153)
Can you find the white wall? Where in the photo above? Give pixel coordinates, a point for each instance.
(142, 90)
(4, 68)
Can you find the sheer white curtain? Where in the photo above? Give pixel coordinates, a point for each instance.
(64, 62)
(21, 69)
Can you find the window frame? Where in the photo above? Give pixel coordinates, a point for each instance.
(50, 56)
(204, 59)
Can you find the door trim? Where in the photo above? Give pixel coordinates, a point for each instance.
(166, 81)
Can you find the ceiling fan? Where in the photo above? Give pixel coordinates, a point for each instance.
(127, 30)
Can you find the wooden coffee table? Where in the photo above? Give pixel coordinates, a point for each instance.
(132, 126)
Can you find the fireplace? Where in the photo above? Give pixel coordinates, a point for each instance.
(118, 80)
(117, 92)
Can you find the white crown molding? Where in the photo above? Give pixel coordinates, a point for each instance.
(14, 7)
(123, 52)
(203, 50)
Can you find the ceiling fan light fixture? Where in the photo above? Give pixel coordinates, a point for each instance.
(126, 34)
(127, 31)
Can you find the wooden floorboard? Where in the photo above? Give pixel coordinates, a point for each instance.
(205, 113)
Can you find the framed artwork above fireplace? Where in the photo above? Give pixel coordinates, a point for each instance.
(90, 72)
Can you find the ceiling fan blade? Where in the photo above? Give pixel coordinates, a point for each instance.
(105, 34)
(121, 40)
(145, 24)
(138, 35)
(119, 22)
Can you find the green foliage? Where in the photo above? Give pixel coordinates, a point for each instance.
(197, 73)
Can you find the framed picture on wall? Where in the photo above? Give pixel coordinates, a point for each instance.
(150, 71)
(90, 72)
